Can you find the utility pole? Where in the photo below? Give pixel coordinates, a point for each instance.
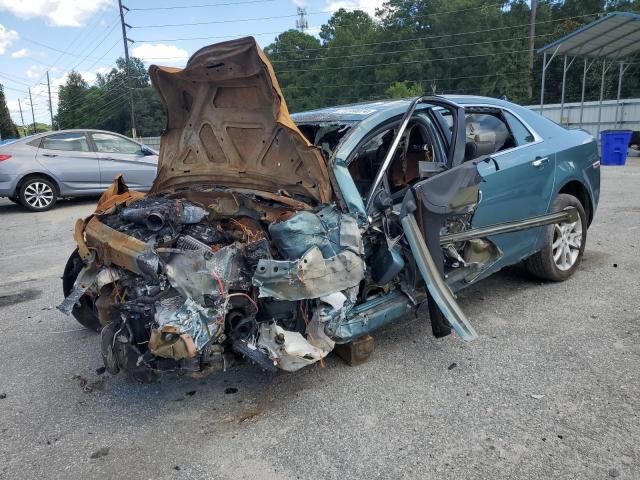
(22, 118)
(50, 104)
(33, 116)
(532, 35)
(301, 23)
(126, 57)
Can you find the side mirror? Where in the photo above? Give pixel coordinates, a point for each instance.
(146, 151)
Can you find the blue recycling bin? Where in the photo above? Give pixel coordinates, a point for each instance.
(614, 146)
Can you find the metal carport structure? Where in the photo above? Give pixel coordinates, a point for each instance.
(614, 38)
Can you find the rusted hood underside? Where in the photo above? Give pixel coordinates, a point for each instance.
(228, 125)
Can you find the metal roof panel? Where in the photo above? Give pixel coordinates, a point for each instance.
(613, 36)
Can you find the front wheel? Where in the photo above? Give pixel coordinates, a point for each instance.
(84, 310)
(563, 246)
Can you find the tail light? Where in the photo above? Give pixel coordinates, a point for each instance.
(4, 157)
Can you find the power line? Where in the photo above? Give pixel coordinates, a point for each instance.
(23, 91)
(104, 54)
(5, 75)
(331, 47)
(423, 80)
(432, 60)
(70, 45)
(202, 5)
(422, 49)
(428, 37)
(96, 47)
(321, 12)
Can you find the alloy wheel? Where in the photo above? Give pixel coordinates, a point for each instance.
(567, 241)
(38, 195)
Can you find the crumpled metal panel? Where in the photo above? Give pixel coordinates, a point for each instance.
(189, 318)
(85, 280)
(195, 273)
(311, 276)
(329, 230)
(228, 124)
(123, 250)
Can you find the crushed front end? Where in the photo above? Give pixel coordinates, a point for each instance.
(177, 285)
(240, 247)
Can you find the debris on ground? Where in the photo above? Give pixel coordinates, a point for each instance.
(452, 366)
(87, 386)
(537, 396)
(101, 452)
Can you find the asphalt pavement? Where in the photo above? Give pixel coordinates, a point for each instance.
(550, 389)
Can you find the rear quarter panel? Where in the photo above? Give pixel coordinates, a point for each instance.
(577, 156)
(580, 162)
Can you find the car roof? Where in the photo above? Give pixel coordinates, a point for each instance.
(357, 112)
(70, 130)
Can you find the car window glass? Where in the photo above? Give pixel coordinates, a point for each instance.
(107, 143)
(521, 134)
(68, 142)
(369, 158)
(486, 133)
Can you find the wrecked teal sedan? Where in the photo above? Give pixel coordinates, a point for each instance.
(280, 238)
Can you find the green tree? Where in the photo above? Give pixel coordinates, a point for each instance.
(7, 127)
(404, 89)
(294, 56)
(71, 99)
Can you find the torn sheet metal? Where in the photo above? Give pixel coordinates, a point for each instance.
(311, 276)
(123, 250)
(434, 281)
(289, 350)
(195, 273)
(184, 328)
(329, 230)
(86, 279)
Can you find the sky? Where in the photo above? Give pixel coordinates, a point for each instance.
(58, 36)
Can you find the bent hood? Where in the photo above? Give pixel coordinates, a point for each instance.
(228, 125)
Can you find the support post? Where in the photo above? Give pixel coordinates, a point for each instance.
(604, 71)
(532, 35)
(544, 70)
(126, 57)
(33, 116)
(584, 83)
(620, 75)
(50, 104)
(24, 129)
(564, 81)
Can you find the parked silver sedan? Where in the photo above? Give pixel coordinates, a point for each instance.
(37, 170)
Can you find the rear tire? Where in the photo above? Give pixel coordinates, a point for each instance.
(38, 194)
(84, 311)
(563, 246)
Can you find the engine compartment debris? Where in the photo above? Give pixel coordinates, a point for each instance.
(176, 285)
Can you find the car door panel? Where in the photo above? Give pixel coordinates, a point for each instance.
(139, 171)
(68, 157)
(518, 184)
(120, 155)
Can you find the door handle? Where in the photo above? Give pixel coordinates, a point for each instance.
(49, 155)
(540, 161)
